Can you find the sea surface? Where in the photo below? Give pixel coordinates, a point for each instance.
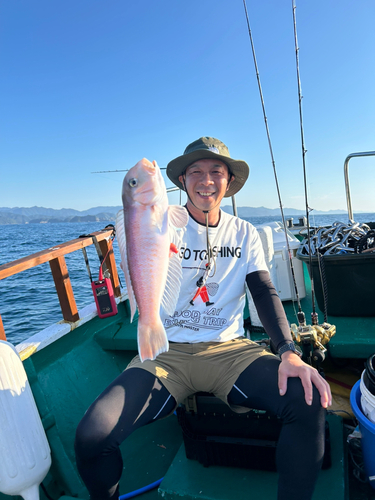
(28, 301)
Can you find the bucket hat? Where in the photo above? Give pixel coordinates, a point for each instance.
(209, 147)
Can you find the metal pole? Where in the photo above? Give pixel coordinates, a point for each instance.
(346, 175)
(234, 206)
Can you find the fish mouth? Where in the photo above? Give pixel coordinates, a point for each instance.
(151, 169)
(147, 166)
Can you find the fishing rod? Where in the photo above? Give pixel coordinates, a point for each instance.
(115, 171)
(169, 190)
(311, 338)
(314, 314)
(300, 312)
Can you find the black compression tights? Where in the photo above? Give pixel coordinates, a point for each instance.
(137, 398)
(300, 446)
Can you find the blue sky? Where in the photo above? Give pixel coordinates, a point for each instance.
(88, 85)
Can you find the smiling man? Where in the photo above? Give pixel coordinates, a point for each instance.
(207, 181)
(221, 256)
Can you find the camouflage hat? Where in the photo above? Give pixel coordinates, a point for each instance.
(209, 147)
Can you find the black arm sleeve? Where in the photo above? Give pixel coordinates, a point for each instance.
(269, 307)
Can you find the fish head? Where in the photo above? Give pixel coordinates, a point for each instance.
(144, 184)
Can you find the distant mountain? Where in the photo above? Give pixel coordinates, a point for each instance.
(263, 211)
(63, 212)
(41, 215)
(12, 218)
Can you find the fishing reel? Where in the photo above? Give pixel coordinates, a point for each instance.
(312, 338)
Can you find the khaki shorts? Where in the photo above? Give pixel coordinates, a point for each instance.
(205, 366)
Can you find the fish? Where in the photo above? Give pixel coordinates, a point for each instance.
(149, 260)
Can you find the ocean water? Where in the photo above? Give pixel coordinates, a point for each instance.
(28, 300)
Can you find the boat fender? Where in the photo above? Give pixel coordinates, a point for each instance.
(26, 455)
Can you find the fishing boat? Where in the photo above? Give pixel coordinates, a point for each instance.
(64, 367)
(68, 364)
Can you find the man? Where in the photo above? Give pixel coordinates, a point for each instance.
(220, 254)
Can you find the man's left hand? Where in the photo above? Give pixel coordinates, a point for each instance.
(292, 366)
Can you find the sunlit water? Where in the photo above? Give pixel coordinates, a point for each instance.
(28, 301)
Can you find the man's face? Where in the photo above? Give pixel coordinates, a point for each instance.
(206, 182)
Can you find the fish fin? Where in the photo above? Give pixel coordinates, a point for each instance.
(172, 285)
(178, 216)
(121, 238)
(152, 340)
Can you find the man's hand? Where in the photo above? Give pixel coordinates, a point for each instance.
(292, 366)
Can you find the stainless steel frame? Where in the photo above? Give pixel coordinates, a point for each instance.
(346, 175)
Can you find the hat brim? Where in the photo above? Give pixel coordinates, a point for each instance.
(239, 168)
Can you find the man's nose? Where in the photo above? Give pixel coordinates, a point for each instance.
(206, 178)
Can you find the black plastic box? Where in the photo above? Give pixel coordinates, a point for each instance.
(350, 282)
(215, 435)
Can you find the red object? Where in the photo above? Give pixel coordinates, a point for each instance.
(104, 298)
(172, 249)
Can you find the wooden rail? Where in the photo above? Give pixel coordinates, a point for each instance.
(55, 257)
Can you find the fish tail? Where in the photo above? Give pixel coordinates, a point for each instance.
(152, 340)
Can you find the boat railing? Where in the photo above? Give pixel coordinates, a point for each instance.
(56, 258)
(346, 175)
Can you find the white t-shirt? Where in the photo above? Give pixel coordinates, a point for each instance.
(217, 313)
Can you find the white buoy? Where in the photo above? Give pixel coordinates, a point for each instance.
(24, 450)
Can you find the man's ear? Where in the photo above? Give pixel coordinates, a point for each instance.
(232, 177)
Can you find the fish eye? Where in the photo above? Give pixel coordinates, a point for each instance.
(133, 182)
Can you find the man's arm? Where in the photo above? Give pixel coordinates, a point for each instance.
(272, 315)
(269, 307)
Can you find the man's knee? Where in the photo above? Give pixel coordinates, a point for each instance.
(295, 406)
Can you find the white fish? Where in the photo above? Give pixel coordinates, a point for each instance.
(152, 271)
